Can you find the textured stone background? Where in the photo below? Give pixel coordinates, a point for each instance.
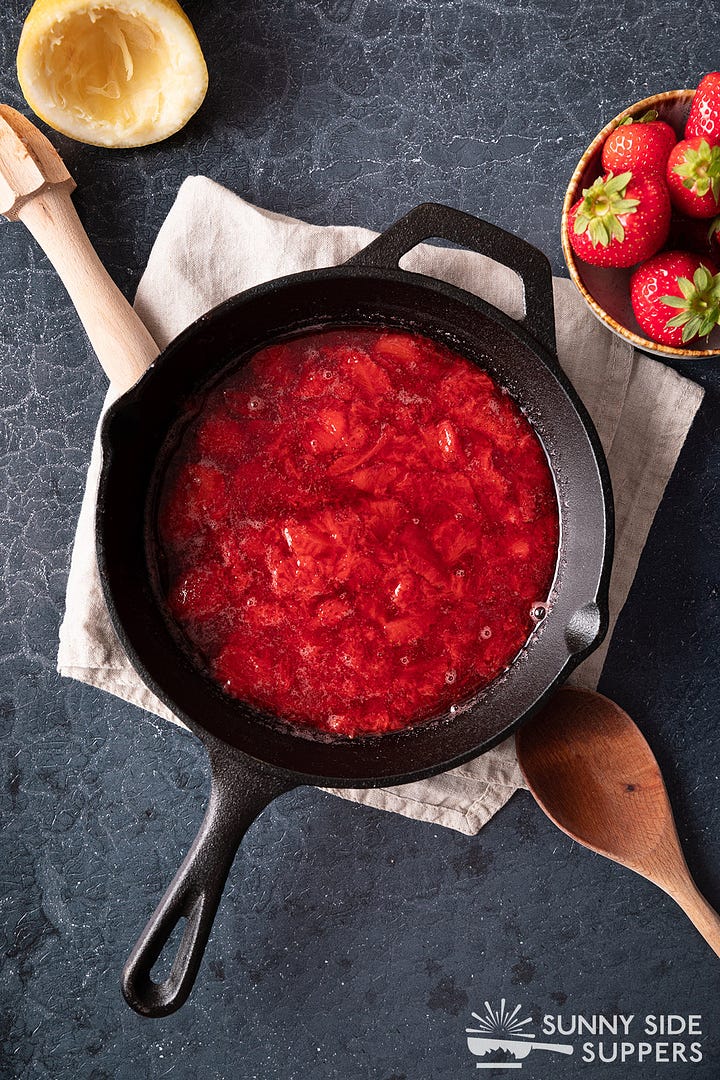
(350, 943)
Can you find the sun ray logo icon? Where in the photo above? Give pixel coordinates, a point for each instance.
(503, 1031)
(501, 1023)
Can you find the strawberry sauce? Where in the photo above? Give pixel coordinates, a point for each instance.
(355, 530)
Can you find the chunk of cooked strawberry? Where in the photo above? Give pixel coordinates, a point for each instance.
(450, 444)
(398, 347)
(453, 540)
(443, 495)
(275, 366)
(428, 675)
(465, 393)
(376, 478)
(381, 518)
(248, 667)
(319, 552)
(519, 548)
(360, 451)
(242, 404)
(199, 497)
(253, 487)
(443, 445)
(422, 556)
(334, 609)
(282, 568)
(220, 438)
(367, 376)
(328, 431)
(405, 629)
(262, 613)
(199, 594)
(230, 548)
(311, 382)
(406, 590)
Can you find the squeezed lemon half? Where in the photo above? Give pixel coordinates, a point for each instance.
(120, 73)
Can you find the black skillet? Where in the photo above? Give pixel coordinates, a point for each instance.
(255, 757)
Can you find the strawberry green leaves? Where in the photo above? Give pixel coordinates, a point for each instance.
(700, 169)
(698, 306)
(647, 118)
(603, 204)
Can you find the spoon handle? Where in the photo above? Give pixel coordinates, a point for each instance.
(122, 344)
(703, 917)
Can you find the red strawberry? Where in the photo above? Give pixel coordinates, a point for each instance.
(619, 221)
(643, 146)
(693, 177)
(676, 297)
(704, 118)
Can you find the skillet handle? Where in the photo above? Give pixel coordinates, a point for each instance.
(238, 794)
(445, 223)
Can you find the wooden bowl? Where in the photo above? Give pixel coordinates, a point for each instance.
(607, 291)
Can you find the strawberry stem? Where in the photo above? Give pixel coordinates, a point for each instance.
(602, 206)
(646, 118)
(700, 170)
(699, 305)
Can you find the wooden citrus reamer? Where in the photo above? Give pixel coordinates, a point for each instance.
(35, 188)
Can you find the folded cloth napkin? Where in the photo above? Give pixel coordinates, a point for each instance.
(212, 246)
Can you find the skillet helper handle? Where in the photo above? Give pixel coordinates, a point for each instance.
(433, 220)
(123, 345)
(239, 793)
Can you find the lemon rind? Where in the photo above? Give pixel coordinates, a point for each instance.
(164, 15)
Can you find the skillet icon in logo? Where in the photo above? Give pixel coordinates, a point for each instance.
(500, 1032)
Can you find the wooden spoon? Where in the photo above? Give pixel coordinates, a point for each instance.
(592, 772)
(35, 188)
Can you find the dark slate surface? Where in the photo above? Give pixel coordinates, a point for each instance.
(351, 943)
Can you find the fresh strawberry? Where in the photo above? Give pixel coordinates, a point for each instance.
(619, 221)
(643, 146)
(704, 118)
(693, 177)
(676, 297)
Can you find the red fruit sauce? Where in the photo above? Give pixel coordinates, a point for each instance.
(355, 529)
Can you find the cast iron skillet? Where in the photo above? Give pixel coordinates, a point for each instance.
(254, 757)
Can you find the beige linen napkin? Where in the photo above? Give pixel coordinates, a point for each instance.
(213, 245)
